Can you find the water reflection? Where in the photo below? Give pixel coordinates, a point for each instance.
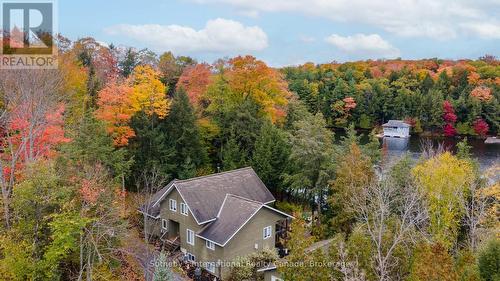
(395, 144)
(393, 148)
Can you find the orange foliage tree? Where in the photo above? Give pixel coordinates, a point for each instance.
(249, 77)
(143, 91)
(481, 93)
(116, 110)
(195, 80)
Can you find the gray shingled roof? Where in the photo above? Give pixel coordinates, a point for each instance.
(396, 123)
(204, 195)
(229, 220)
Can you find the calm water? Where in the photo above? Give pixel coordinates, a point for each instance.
(393, 148)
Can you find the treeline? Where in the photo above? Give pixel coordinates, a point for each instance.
(431, 219)
(79, 142)
(422, 92)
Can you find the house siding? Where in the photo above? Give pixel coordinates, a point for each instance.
(185, 222)
(242, 244)
(152, 226)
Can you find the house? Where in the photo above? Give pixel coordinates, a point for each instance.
(216, 218)
(396, 129)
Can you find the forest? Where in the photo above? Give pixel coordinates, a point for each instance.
(82, 145)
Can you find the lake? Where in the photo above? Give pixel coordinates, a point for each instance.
(393, 148)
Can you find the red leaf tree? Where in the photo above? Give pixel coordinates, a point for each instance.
(481, 127)
(195, 80)
(449, 118)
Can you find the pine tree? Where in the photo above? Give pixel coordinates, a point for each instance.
(149, 148)
(311, 165)
(129, 62)
(231, 155)
(183, 136)
(271, 155)
(162, 271)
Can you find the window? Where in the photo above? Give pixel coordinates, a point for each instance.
(210, 245)
(210, 266)
(173, 205)
(267, 231)
(164, 225)
(184, 209)
(190, 237)
(191, 257)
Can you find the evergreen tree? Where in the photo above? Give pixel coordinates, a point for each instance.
(162, 271)
(240, 124)
(129, 62)
(271, 155)
(149, 148)
(489, 261)
(92, 144)
(311, 160)
(183, 137)
(427, 83)
(231, 155)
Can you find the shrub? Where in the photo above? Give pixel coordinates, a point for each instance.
(489, 261)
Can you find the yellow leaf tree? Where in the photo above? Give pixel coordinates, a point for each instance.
(149, 93)
(443, 180)
(252, 78)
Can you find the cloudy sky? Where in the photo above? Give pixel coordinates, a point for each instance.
(287, 32)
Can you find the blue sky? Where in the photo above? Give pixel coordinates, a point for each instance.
(287, 32)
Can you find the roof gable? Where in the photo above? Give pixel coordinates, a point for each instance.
(205, 195)
(396, 123)
(233, 215)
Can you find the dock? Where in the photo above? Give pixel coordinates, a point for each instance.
(492, 140)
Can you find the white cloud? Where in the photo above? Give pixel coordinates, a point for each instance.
(363, 46)
(486, 30)
(438, 19)
(218, 35)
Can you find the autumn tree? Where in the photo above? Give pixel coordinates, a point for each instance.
(250, 78)
(481, 127)
(443, 180)
(149, 94)
(481, 93)
(299, 241)
(116, 110)
(31, 122)
(342, 110)
(195, 80)
(44, 232)
(172, 67)
(433, 263)
(353, 173)
(449, 118)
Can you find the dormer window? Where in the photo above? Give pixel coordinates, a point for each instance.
(172, 205)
